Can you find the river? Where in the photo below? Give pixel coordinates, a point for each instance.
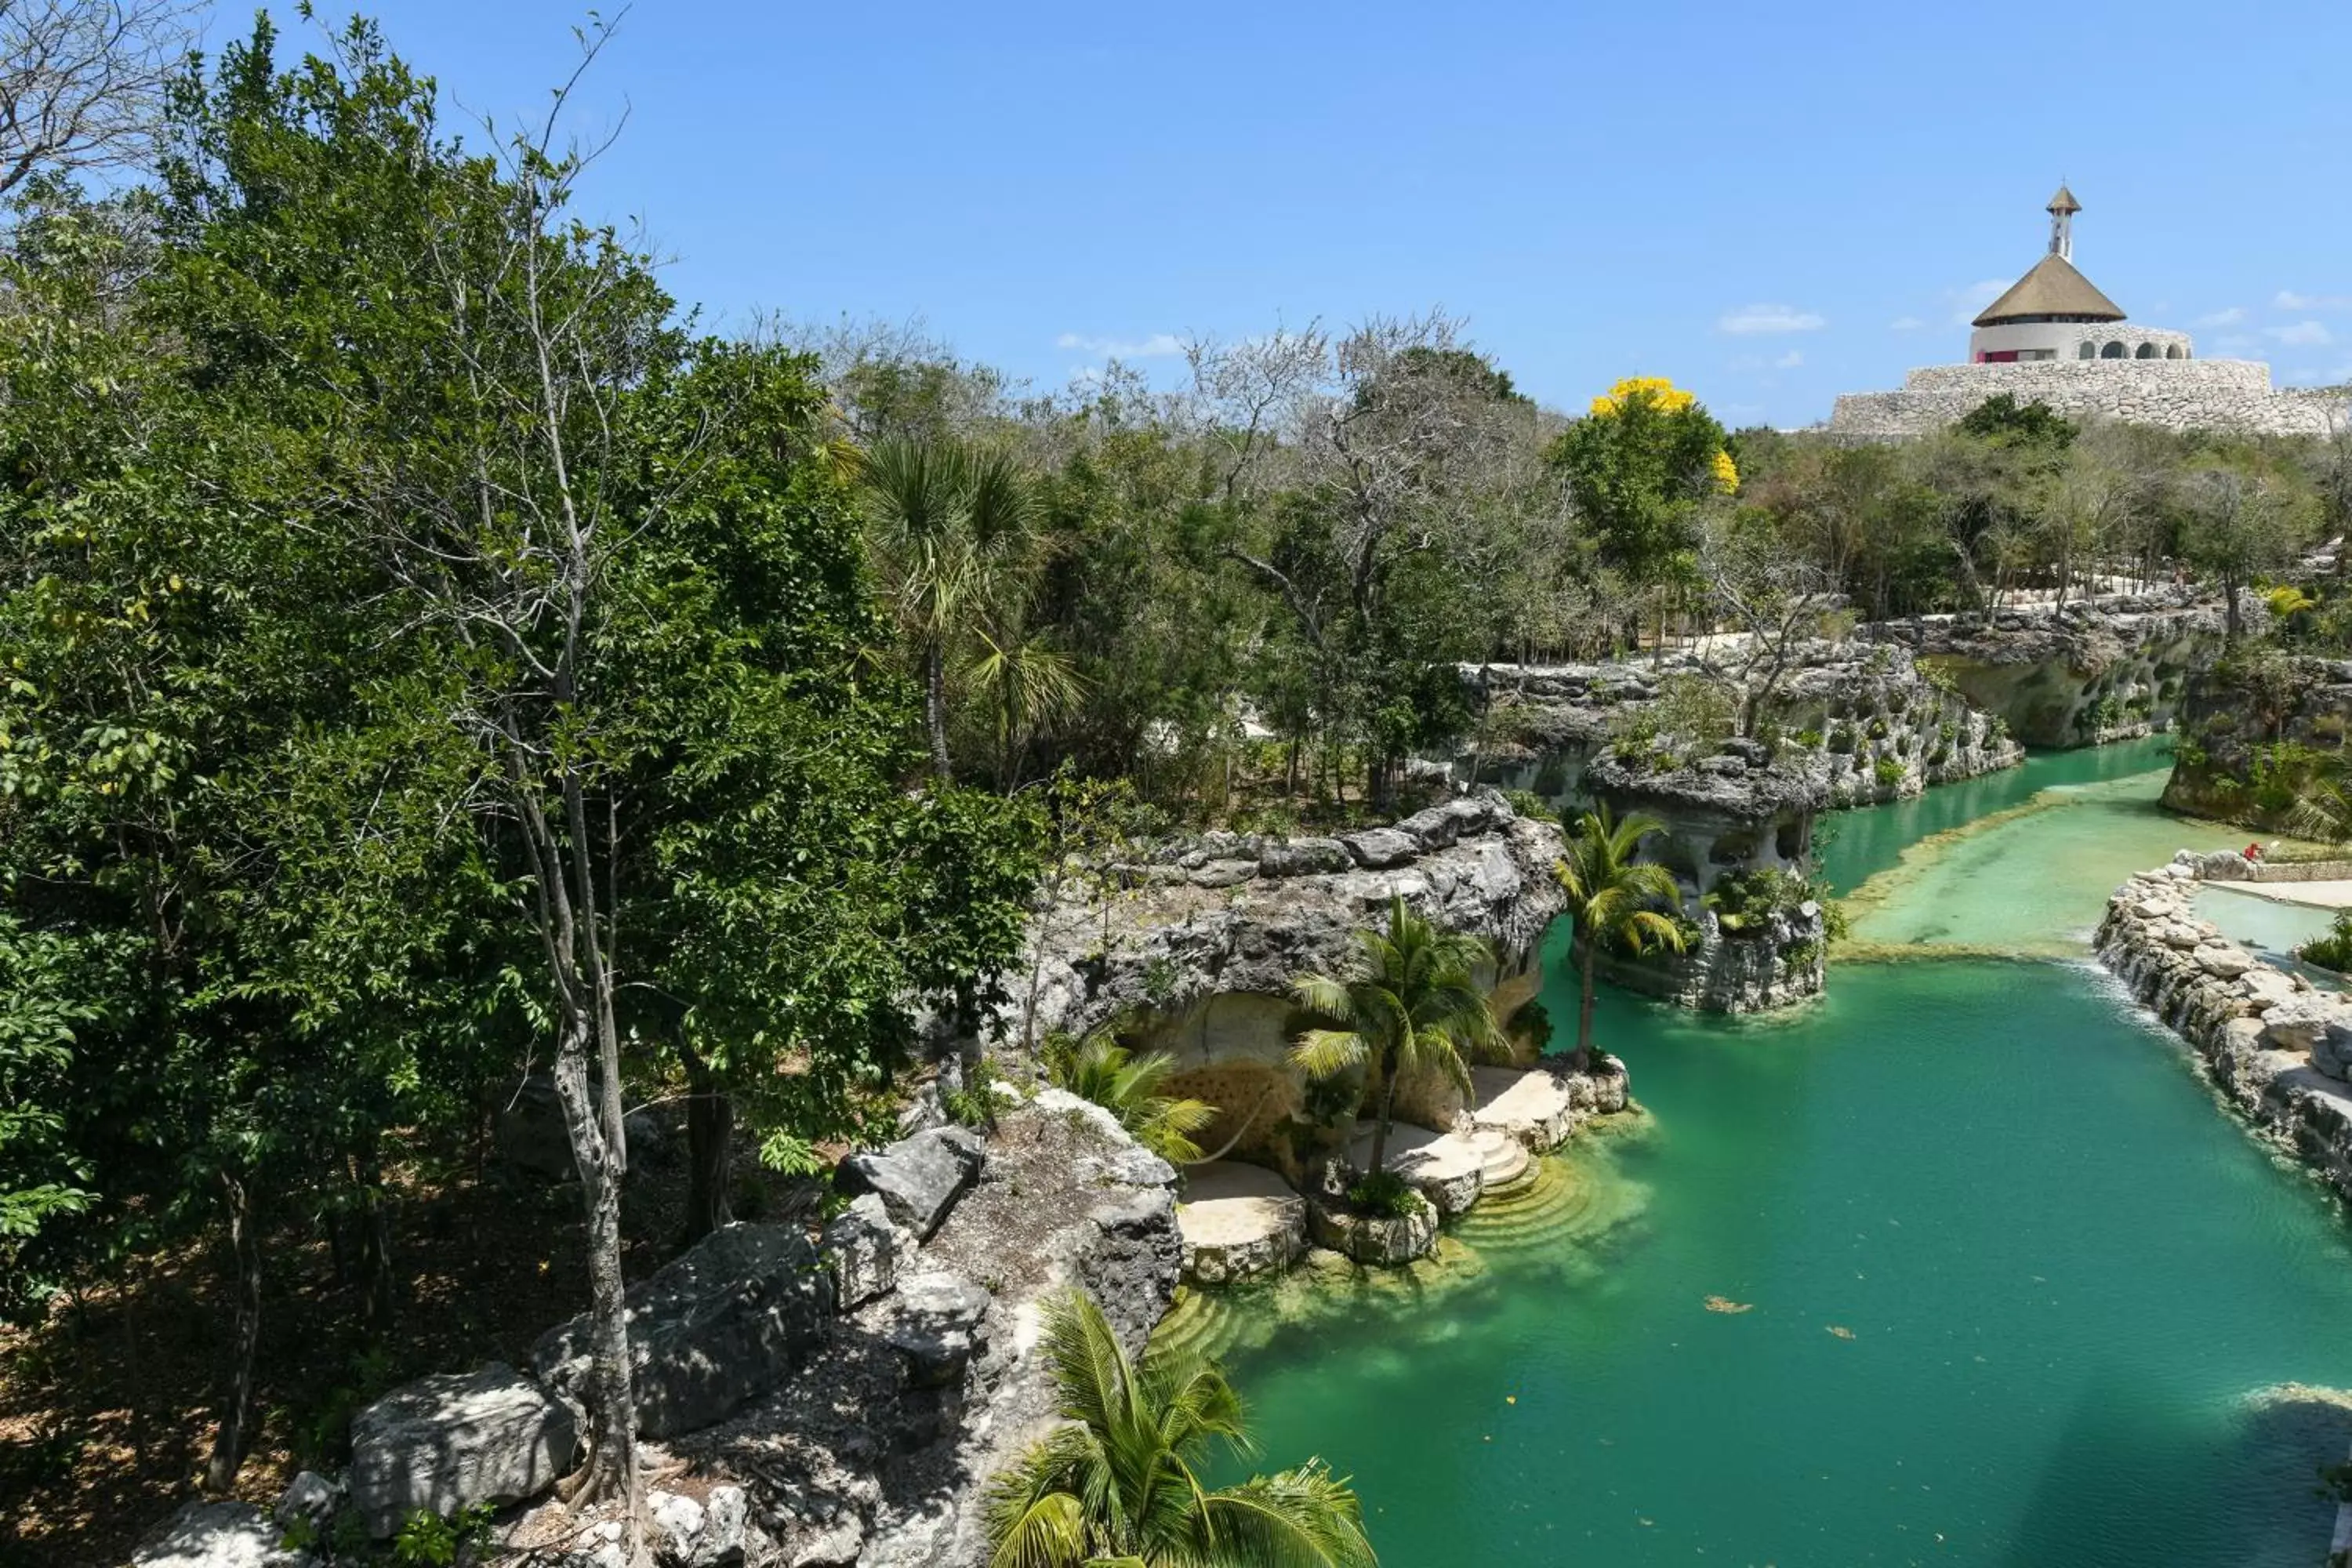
(1960, 1265)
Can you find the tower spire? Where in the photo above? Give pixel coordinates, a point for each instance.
(2061, 209)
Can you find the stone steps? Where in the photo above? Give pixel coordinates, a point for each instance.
(1506, 1160)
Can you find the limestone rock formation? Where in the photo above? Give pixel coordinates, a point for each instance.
(449, 1441)
(217, 1535)
(2276, 716)
(862, 1248)
(741, 1310)
(918, 1178)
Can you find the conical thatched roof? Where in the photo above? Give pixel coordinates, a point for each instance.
(2063, 202)
(2052, 289)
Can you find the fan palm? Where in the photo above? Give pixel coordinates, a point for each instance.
(951, 525)
(1098, 1068)
(1410, 1001)
(1119, 1487)
(1612, 899)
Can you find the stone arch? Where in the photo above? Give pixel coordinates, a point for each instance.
(2114, 349)
(2088, 350)
(2145, 351)
(2174, 350)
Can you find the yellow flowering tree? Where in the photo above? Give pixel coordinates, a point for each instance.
(1636, 467)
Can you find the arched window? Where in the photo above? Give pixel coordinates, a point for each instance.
(2147, 350)
(2174, 350)
(2088, 351)
(2113, 350)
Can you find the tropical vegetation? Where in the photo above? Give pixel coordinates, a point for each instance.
(1121, 1482)
(1616, 901)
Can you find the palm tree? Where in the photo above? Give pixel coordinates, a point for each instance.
(1610, 897)
(1410, 1000)
(1096, 1067)
(952, 523)
(1119, 1487)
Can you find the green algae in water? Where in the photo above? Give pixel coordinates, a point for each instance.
(2075, 1291)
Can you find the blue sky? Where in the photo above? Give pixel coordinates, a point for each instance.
(1770, 204)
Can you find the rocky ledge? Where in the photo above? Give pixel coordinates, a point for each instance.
(2278, 1049)
(812, 1401)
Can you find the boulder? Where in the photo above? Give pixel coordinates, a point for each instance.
(730, 1319)
(837, 1546)
(1304, 858)
(687, 1533)
(935, 1322)
(217, 1535)
(450, 1441)
(2332, 1053)
(863, 1251)
(2223, 962)
(1377, 849)
(1435, 828)
(309, 1499)
(2301, 1021)
(1223, 873)
(918, 1179)
(531, 1133)
(2265, 987)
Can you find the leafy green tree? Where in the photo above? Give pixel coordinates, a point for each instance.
(1613, 897)
(2004, 421)
(1119, 1484)
(1409, 1002)
(1636, 467)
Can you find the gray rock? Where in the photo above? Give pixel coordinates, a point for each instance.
(676, 1522)
(1304, 858)
(1435, 828)
(863, 1250)
(1224, 873)
(530, 1135)
(309, 1498)
(935, 1321)
(1373, 1241)
(726, 1514)
(2300, 1022)
(918, 1179)
(450, 1441)
(1377, 849)
(217, 1535)
(730, 1319)
(838, 1546)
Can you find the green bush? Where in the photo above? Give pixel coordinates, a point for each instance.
(1841, 740)
(1809, 739)
(1888, 771)
(1878, 729)
(2333, 951)
(1531, 805)
(1384, 1195)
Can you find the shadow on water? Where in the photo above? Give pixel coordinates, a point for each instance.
(2243, 1484)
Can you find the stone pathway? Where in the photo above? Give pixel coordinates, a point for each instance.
(2316, 895)
(1238, 1220)
(1526, 1104)
(1447, 1168)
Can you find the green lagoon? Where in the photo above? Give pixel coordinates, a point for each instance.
(1961, 1264)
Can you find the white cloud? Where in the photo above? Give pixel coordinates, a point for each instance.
(1967, 302)
(1752, 319)
(2228, 318)
(2288, 300)
(2302, 333)
(1158, 345)
(1905, 324)
(1788, 361)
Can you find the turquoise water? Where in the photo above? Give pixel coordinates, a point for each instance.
(2010, 1289)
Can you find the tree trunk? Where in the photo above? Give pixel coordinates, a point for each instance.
(612, 1471)
(1583, 1057)
(709, 1139)
(234, 1434)
(375, 1218)
(934, 705)
(1388, 1112)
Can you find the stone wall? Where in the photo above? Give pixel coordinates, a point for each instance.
(2276, 1048)
(2175, 395)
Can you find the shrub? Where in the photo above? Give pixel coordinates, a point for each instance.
(1385, 1196)
(1809, 739)
(1878, 729)
(2333, 951)
(1888, 771)
(1841, 740)
(1947, 731)
(1531, 805)
(1942, 755)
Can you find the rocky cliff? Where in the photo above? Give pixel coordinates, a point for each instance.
(2255, 730)
(2110, 670)
(1196, 955)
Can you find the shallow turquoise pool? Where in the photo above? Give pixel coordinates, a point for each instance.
(1961, 1265)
